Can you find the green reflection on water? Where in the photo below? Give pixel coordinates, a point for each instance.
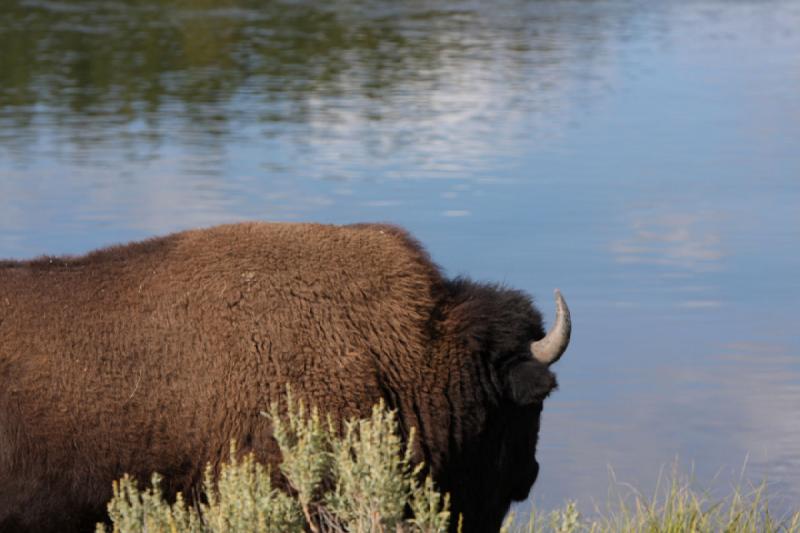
(82, 64)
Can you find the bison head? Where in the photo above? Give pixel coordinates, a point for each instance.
(508, 356)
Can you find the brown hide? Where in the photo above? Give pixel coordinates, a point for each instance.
(153, 356)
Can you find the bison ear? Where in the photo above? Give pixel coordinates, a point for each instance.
(529, 382)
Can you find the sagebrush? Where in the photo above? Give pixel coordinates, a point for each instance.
(359, 480)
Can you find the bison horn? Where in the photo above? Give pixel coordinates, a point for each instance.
(550, 348)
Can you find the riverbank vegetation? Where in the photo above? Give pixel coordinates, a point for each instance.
(362, 480)
(678, 508)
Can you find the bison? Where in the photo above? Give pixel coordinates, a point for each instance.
(153, 356)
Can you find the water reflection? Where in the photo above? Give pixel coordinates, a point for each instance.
(160, 115)
(680, 240)
(639, 156)
(127, 74)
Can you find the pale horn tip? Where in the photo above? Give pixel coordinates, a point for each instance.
(554, 344)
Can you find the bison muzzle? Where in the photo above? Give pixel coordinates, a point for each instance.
(152, 356)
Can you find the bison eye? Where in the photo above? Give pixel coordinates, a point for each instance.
(529, 382)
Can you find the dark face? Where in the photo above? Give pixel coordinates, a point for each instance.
(528, 383)
(500, 463)
(496, 462)
(524, 383)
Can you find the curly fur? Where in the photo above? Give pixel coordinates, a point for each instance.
(152, 356)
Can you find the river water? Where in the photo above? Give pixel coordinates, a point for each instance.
(642, 156)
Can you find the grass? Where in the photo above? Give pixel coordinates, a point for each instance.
(676, 506)
(362, 480)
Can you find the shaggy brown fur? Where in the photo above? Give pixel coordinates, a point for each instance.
(153, 356)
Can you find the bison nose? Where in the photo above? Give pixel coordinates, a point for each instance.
(522, 487)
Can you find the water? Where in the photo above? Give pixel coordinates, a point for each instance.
(641, 156)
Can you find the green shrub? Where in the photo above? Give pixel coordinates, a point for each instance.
(361, 481)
